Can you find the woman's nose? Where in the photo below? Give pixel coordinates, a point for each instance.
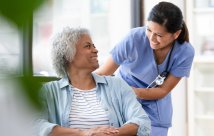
(95, 49)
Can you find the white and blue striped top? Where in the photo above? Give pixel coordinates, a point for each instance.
(86, 111)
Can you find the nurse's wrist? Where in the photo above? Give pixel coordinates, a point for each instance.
(137, 91)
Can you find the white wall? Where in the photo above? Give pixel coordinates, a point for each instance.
(150, 3)
(179, 100)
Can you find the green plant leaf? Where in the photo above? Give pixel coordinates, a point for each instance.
(19, 12)
(31, 89)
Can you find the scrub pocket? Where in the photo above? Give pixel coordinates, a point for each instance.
(165, 110)
(159, 111)
(151, 108)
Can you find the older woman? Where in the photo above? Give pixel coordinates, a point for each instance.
(83, 103)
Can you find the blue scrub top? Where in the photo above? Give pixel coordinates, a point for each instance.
(138, 68)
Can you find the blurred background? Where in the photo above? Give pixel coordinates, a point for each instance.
(26, 28)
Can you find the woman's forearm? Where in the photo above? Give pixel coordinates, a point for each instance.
(128, 130)
(62, 131)
(96, 131)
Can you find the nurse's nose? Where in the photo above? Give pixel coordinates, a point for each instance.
(153, 36)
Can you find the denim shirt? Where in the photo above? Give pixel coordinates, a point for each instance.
(117, 98)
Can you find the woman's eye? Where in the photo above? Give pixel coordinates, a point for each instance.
(88, 46)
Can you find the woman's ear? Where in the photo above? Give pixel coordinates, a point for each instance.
(176, 34)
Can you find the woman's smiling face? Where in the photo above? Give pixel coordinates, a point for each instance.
(86, 54)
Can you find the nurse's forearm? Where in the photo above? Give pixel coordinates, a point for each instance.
(108, 68)
(160, 91)
(150, 93)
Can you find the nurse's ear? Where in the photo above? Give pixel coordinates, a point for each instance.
(176, 34)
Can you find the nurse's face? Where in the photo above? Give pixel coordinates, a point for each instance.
(158, 37)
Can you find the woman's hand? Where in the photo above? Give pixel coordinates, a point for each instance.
(101, 131)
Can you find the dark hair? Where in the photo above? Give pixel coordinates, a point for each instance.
(170, 16)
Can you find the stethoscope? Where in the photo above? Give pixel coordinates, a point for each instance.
(159, 80)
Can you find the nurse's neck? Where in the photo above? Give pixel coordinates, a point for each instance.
(160, 54)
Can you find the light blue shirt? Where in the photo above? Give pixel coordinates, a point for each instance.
(116, 97)
(138, 68)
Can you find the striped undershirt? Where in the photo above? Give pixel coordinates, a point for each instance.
(86, 111)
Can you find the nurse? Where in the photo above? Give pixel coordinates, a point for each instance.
(153, 59)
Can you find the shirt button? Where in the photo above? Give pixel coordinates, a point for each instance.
(112, 124)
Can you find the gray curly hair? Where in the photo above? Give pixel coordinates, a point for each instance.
(64, 48)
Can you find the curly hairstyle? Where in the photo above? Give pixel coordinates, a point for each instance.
(64, 48)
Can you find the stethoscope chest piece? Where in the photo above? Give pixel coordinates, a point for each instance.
(159, 80)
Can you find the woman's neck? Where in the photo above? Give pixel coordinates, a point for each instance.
(81, 80)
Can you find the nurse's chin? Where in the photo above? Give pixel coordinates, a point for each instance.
(154, 47)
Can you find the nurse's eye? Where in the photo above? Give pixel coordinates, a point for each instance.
(148, 30)
(159, 35)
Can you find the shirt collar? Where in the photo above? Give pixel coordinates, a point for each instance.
(98, 79)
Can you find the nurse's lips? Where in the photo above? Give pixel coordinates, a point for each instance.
(153, 43)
